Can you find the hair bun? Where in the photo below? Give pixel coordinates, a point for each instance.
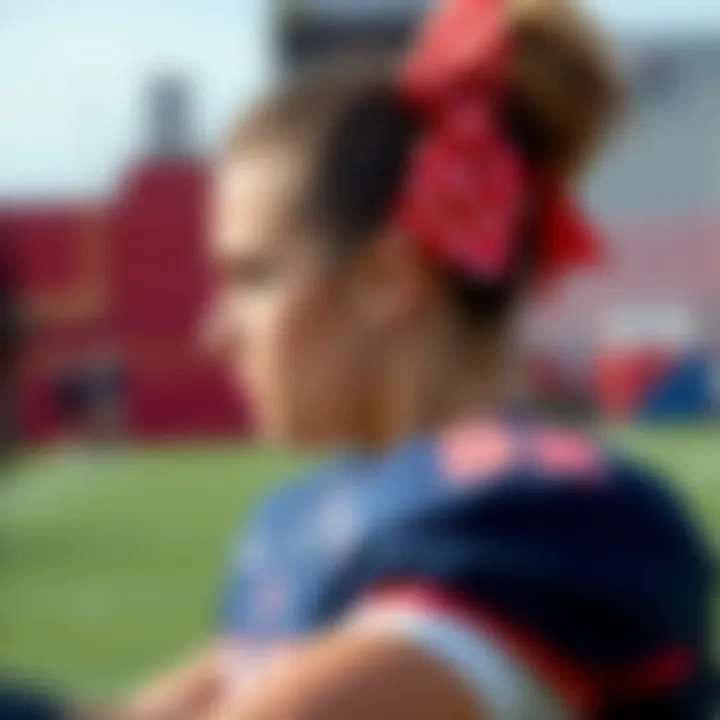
(564, 91)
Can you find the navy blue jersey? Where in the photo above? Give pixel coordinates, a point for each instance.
(578, 560)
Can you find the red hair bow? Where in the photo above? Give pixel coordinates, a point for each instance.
(466, 194)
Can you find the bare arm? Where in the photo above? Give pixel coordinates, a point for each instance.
(354, 676)
(183, 694)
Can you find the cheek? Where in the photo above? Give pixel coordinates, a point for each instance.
(269, 329)
(277, 330)
(306, 343)
(307, 367)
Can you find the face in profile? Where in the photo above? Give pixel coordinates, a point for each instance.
(285, 321)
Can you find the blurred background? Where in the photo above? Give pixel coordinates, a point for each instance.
(133, 460)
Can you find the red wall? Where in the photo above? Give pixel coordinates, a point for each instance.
(132, 272)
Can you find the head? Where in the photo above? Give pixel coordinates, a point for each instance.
(331, 317)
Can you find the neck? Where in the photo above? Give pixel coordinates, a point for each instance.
(428, 382)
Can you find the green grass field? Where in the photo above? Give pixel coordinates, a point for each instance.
(109, 567)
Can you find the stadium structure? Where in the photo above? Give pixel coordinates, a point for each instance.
(641, 335)
(128, 271)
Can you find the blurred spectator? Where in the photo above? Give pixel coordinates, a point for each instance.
(106, 391)
(10, 337)
(90, 399)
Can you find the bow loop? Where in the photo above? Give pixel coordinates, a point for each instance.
(468, 187)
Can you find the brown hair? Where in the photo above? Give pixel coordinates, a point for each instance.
(562, 96)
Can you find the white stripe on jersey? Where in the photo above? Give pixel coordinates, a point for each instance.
(501, 683)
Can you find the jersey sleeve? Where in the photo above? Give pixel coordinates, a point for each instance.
(593, 583)
(503, 686)
(254, 553)
(248, 550)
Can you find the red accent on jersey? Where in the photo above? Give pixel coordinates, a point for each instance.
(584, 689)
(562, 453)
(474, 453)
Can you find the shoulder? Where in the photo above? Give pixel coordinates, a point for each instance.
(479, 459)
(274, 523)
(530, 530)
(294, 495)
(472, 453)
(523, 498)
(483, 460)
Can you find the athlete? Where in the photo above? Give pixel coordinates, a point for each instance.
(377, 231)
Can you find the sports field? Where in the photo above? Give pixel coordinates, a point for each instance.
(109, 566)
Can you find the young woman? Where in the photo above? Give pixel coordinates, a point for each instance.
(377, 231)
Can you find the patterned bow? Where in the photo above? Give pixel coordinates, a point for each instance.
(466, 194)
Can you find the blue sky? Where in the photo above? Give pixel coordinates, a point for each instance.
(72, 74)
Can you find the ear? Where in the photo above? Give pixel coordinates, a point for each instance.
(394, 283)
